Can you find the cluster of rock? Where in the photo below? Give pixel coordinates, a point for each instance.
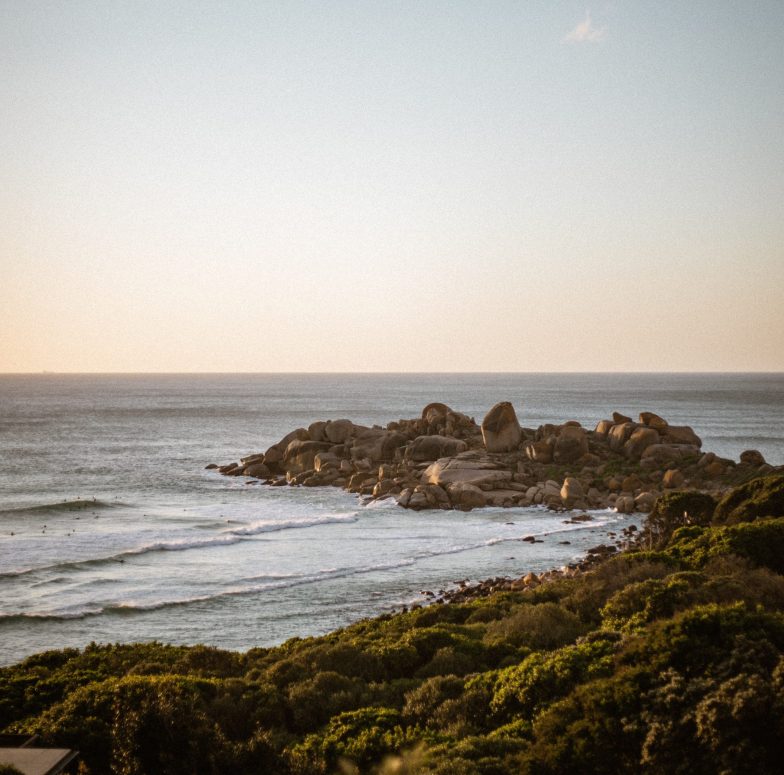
(445, 460)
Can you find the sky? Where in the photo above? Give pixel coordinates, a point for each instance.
(391, 186)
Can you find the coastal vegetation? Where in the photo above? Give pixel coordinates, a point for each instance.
(666, 657)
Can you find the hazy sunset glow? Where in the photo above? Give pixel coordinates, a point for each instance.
(368, 186)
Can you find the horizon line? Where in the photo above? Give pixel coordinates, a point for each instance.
(48, 373)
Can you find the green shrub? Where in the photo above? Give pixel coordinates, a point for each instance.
(637, 604)
(761, 497)
(542, 678)
(674, 510)
(546, 625)
(761, 542)
(315, 700)
(362, 737)
(423, 703)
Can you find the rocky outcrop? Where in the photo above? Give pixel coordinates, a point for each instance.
(444, 460)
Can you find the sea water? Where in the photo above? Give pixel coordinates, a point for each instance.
(111, 529)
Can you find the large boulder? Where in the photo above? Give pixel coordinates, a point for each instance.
(338, 431)
(501, 431)
(324, 461)
(752, 457)
(424, 496)
(376, 444)
(653, 421)
(299, 434)
(434, 415)
(572, 493)
(466, 496)
(316, 431)
(300, 455)
(639, 441)
(482, 473)
(424, 448)
(603, 427)
(273, 457)
(257, 470)
(681, 434)
(620, 434)
(570, 444)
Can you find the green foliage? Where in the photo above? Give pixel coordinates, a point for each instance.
(761, 542)
(546, 626)
(642, 602)
(542, 677)
(674, 510)
(361, 737)
(761, 497)
(677, 648)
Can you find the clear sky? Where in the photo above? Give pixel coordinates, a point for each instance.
(391, 186)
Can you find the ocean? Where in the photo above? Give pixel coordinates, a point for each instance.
(111, 529)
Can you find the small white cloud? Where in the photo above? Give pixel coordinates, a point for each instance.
(585, 32)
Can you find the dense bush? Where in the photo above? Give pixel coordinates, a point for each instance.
(761, 497)
(673, 510)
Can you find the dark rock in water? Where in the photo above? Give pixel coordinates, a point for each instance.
(582, 518)
(211, 467)
(603, 549)
(257, 470)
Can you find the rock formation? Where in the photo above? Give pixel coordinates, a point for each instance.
(444, 460)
